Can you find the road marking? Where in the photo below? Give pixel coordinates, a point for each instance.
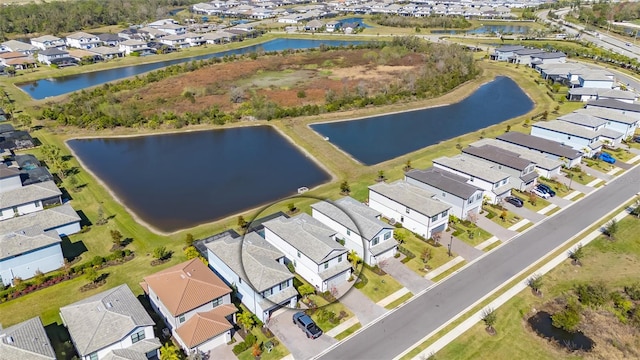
(393, 297)
(444, 267)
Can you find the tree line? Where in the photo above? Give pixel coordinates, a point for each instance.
(433, 21)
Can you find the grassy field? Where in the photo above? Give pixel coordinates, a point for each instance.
(348, 332)
(450, 271)
(378, 287)
(465, 232)
(561, 190)
(336, 307)
(540, 203)
(580, 177)
(505, 221)
(438, 258)
(615, 262)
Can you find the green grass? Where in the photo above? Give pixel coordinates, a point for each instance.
(525, 226)
(278, 352)
(335, 306)
(553, 211)
(578, 197)
(561, 189)
(439, 255)
(540, 203)
(453, 269)
(597, 164)
(463, 231)
(379, 287)
(507, 221)
(348, 332)
(580, 177)
(621, 154)
(492, 246)
(392, 305)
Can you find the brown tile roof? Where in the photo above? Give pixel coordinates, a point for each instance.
(20, 61)
(12, 55)
(186, 286)
(206, 325)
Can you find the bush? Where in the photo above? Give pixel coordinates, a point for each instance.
(291, 268)
(97, 261)
(633, 291)
(250, 340)
(594, 295)
(362, 281)
(240, 347)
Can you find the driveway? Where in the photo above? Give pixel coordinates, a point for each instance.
(363, 307)
(224, 352)
(524, 213)
(295, 340)
(496, 230)
(405, 276)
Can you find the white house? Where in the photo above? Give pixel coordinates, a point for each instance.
(28, 199)
(63, 219)
(493, 181)
(173, 29)
(595, 80)
(415, 208)
(548, 148)
(312, 248)
(465, 199)
(576, 136)
(503, 53)
(25, 252)
(26, 341)
(48, 41)
(256, 269)
(626, 96)
(194, 304)
(523, 56)
(53, 56)
(631, 110)
(83, 40)
(615, 120)
(521, 171)
(557, 57)
(110, 325)
(360, 228)
(9, 178)
(18, 46)
(130, 46)
(596, 124)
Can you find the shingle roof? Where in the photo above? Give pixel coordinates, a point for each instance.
(6, 172)
(53, 51)
(308, 235)
(81, 35)
(614, 104)
(610, 133)
(522, 52)
(605, 113)
(203, 326)
(411, 196)
(44, 219)
(186, 286)
(19, 46)
(509, 48)
(252, 258)
(472, 167)
(19, 242)
(445, 181)
(595, 76)
(582, 119)
(616, 94)
(498, 155)
(550, 55)
(567, 128)
(354, 215)
(44, 38)
(29, 193)
(539, 144)
(26, 341)
(104, 319)
(137, 351)
(536, 157)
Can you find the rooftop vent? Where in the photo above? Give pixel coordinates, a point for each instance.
(109, 305)
(9, 340)
(188, 274)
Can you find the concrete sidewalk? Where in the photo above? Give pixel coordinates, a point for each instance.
(487, 243)
(393, 297)
(439, 270)
(498, 231)
(405, 276)
(465, 250)
(342, 327)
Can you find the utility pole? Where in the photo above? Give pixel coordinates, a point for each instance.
(450, 243)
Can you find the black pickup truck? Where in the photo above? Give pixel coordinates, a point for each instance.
(307, 325)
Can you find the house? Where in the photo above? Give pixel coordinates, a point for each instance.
(312, 248)
(18, 46)
(314, 25)
(493, 181)
(28, 199)
(48, 41)
(576, 136)
(588, 74)
(85, 56)
(131, 46)
(332, 26)
(255, 268)
(111, 325)
(564, 73)
(624, 108)
(194, 303)
(194, 39)
(359, 226)
(17, 59)
(110, 39)
(548, 148)
(9, 178)
(629, 97)
(26, 341)
(593, 79)
(171, 29)
(62, 219)
(107, 52)
(615, 120)
(544, 165)
(149, 33)
(522, 171)
(583, 94)
(83, 40)
(55, 56)
(131, 33)
(465, 199)
(415, 208)
(177, 41)
(25, 252)
(523, 56)
(596, 124)
(557, 57)
(503, 53)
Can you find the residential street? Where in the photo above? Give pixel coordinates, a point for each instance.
(403, 328)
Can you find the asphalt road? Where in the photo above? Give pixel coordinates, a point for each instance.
(401, 329)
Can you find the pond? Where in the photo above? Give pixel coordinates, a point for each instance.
(41, 89)
(488, 29)
(380, 138)
(356, 20)
(542, 323)
(177, 181)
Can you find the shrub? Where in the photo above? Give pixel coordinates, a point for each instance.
(633, 291)
(97, 261)
(240, 347)
(250, 340)
(291, 268)
(594, 295)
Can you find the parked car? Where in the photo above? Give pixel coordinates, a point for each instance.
(606, 157)
(547, 189)
(307, 325)
(515, 201)
(541, 194)
(636, 139)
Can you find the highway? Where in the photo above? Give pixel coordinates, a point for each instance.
(402, 328)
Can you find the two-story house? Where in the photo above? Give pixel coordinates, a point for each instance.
(28, 199)
(18, 46)
(521, 171)
(131, 46)
(494, 182)
(617, 121)
(578, 137)
(523, 56)
(26, 341)
(621, 107)
(83, 40)
(256, 269)
(359, 226)
(548, 148)
(597, 124)
(24, 252)
(110, 323)
(313, 249)
(48, 41)
(415, 208)
(452, 189)
(55, 56)
(194, 304)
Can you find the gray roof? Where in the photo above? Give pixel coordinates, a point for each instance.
(498, 155)
(104, 319)
(353, 215)
(337, 269)
(137, 351)
(445, 181)
(382, 247)
(614, 104)
(610, 115)
(81, 35)
(109, 37)
(560, 69)
(594, 76)
(29, 193)
(509, 48)
(19, 46)
(278, 298)
(583, 120)
(411, 196)
(43, 220)
(53, 51)
(26, 341)
(610, 133)
(550, 55)
(567, 128)
(472, 167)
(44, 38)
(540, 144)
(618, 94)
(307, 235)
(584, 91)
(537, 158)
(7, 172)
(252, 258)
(21, 241)
(522, 52)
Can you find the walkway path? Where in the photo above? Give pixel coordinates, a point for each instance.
(363, 307)
(487, 243)
(393, 297)
(342, 327)
(405, 276)
(465, 250)
(495, 229)
(439, 270)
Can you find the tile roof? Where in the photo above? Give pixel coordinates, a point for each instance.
(445, 181)
(354, 215)
(472, 167)
(498, 155)
(26, 341)
(614, 104)
(29, 193)
(186, 286)
(104, 319)
(411, 196)
(539, 144)
(252, 258)
(308, 235)
(607, 114)
(203, 326)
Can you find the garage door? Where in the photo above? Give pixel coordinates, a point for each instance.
(438, 229)
(336, 280)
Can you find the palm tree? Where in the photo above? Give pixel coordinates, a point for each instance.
(169, 352)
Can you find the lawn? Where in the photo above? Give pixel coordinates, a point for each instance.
(561, 189)
(535, 206)
(621, 154)
(336, 307)
(348, 332)
(495, 213)
(450, 271)
(439, 255)
(392, 305)
(615, 262)
(470, 233)
(597, 164)
(492, 246)
(580, 177)
(378, 287)
(277, 352)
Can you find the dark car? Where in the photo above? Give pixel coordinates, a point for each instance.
(307, 325)
(637, 139)
(547, 189)
(517, 202)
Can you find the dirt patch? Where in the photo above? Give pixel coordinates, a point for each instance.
(378, 73)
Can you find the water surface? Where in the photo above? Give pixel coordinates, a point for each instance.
(542, 323)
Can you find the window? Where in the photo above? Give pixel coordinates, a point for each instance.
(470, 200)
(299, 254)
(444, 194)
(375, 241)
(472, 178)
(407, 210)
(284, 285)
(135, 338)
(93, 356)
(181, 319)
(444, 214)
(340, 258)
(348, 232)
(326, 265)
(217, 302)
(401, 219)
(568, 137)
(267, 293)
(387, 235)
(479, 196)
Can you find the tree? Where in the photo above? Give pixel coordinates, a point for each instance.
(116, 237)
(577, 254)
(437, 236)
(426, 255)
(256, 351)
(535, 282)
(245, 319)
(611, 229)
(306, 289)
(533, 199)
(344, 187)
(489, 318)
(101, 220)
(92, 274)
(291, 207)
(400, 236)
(242, 223)
(73, 182)
(380, 175)
(569, 318)
(354, 258)
(503, 215)
(169, 352)
(161, 253)
(636, 209)
(188, 239)
(407, 165)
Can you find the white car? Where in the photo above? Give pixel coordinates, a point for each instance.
(540, 193)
